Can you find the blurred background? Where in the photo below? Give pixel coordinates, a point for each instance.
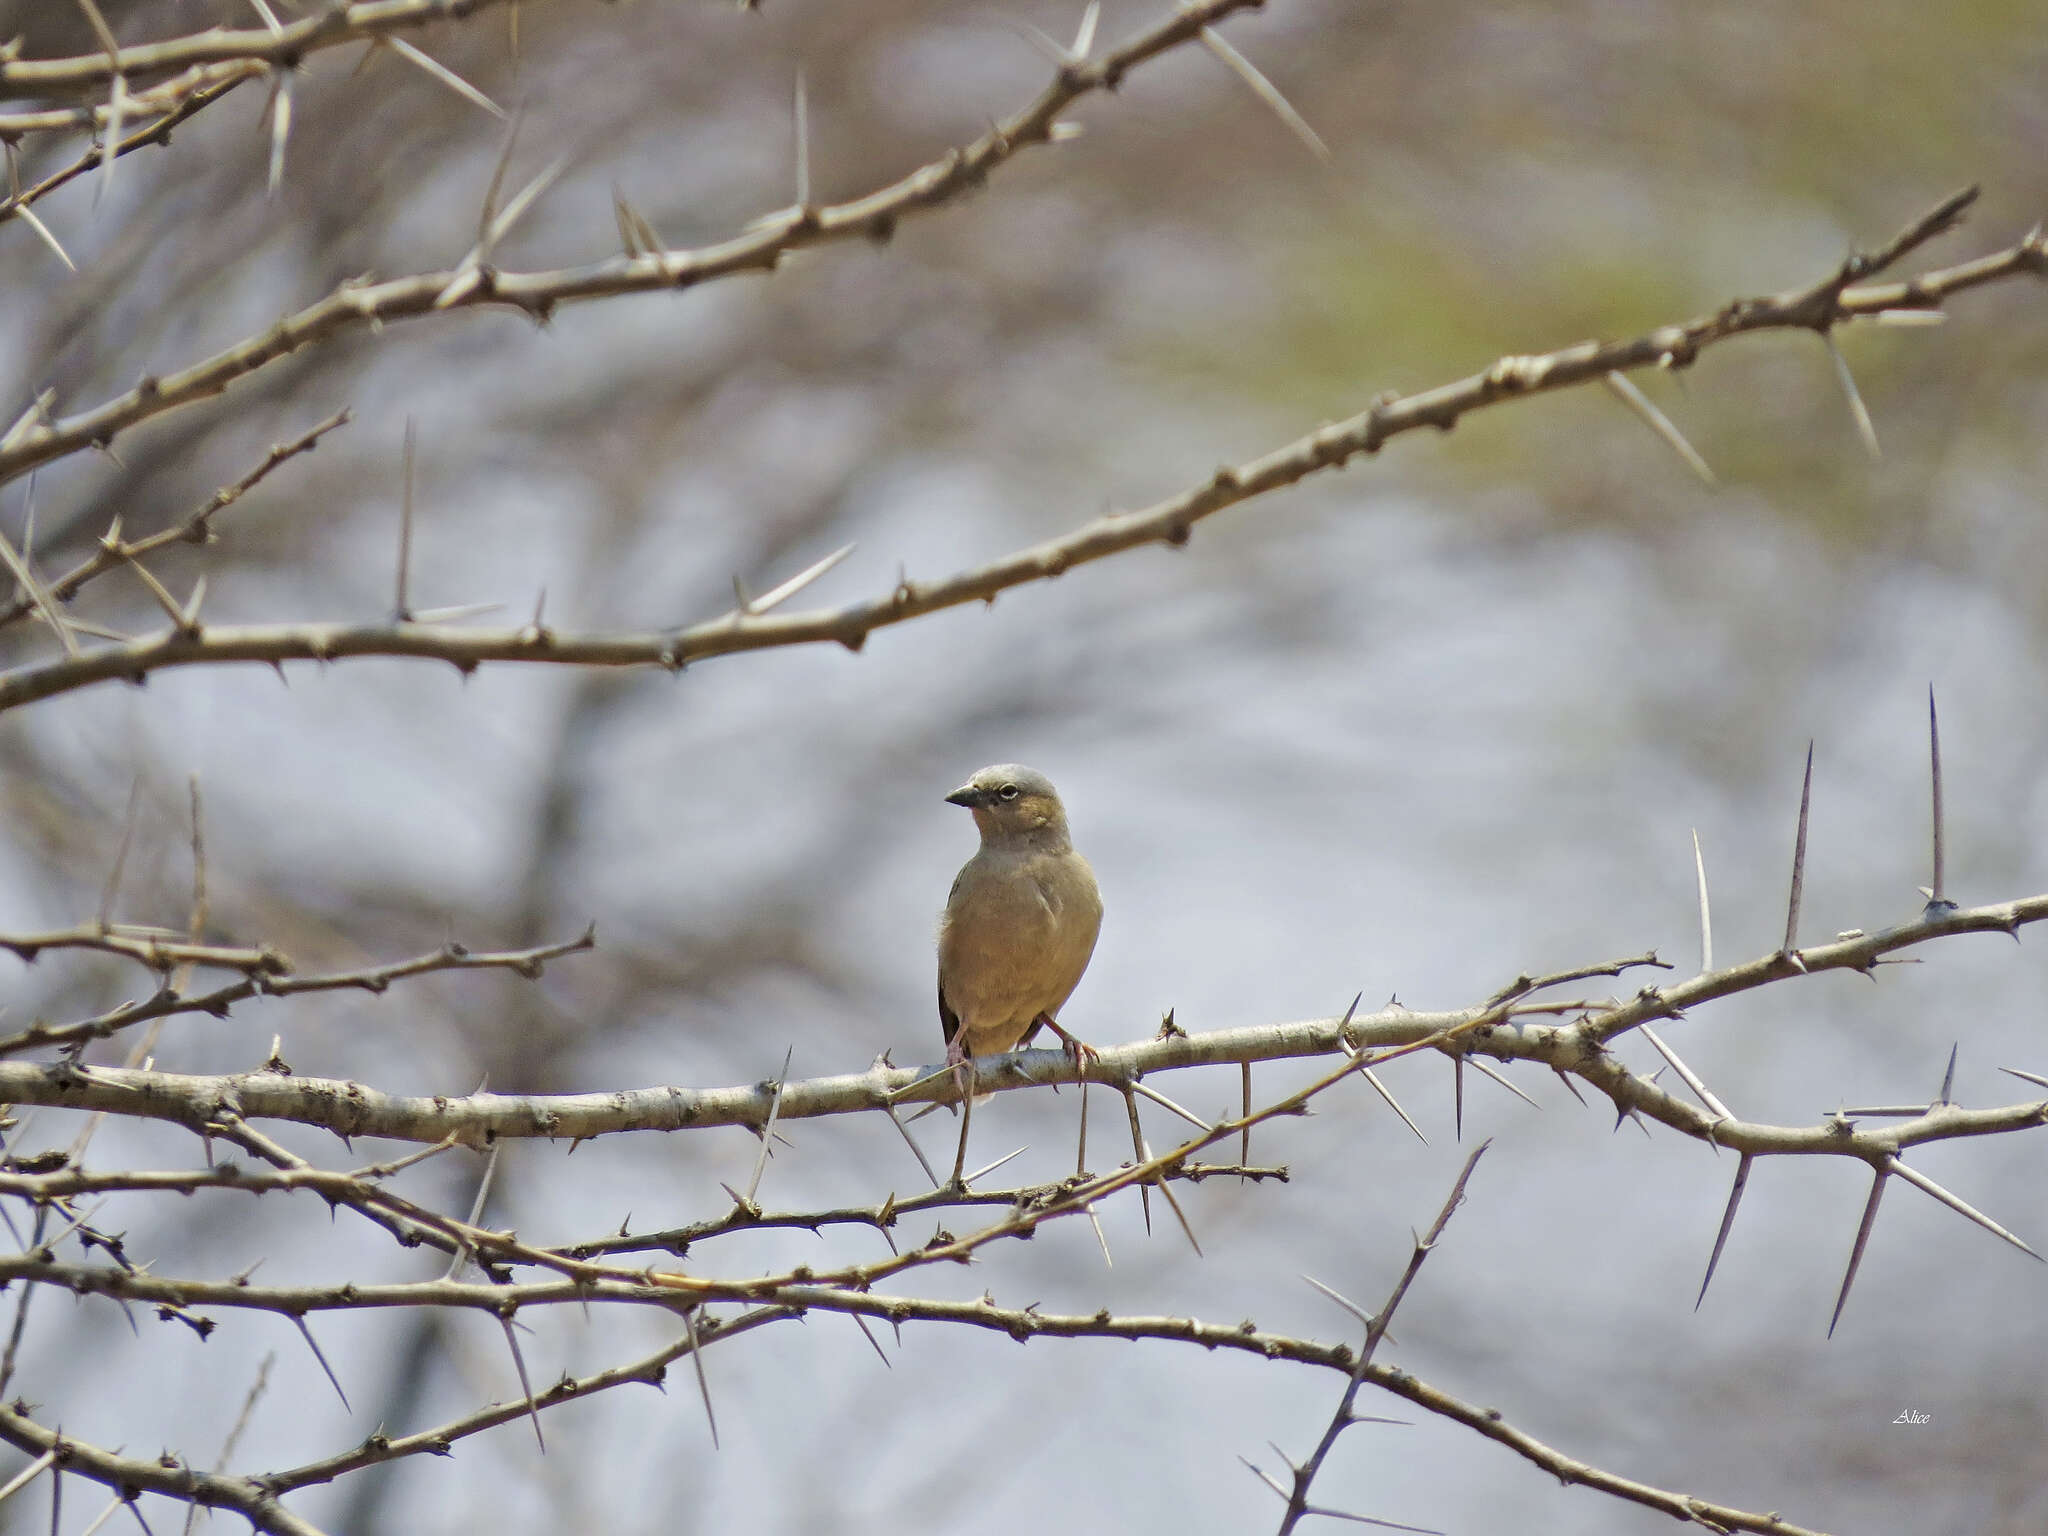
(1413, 728)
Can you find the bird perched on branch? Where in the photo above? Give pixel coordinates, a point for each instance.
(1020, 924)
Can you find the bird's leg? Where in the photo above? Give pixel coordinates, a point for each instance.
(961, 1063)
(1080, 1050)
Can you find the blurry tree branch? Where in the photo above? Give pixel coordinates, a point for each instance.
(1842, 296)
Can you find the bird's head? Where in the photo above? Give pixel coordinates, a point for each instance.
(1012, 803)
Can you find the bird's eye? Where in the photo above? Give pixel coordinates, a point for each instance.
(1008, 792)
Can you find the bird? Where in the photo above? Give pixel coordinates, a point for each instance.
(1020, 923)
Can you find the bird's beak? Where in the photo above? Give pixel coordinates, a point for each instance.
(966, 795)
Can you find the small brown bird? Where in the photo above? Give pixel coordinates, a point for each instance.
(1020, 924)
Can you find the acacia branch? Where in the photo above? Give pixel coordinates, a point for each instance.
(1496, 1028)
(1168, 522)
(371, 304)
(287, 47)
(267, 974)
(126, 1476)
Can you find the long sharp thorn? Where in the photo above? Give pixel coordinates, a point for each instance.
(112, 890)
(703, 1381)
(1940, 895)
(802, 128)
(280, 131)
(2029, 1077)
(778, 595)
(1166, 1189)
(1699, 863)
(1265, 1477)
(39, 595)
(1084, 39)
(982, 1173)
(1570, 1087)
(1081, 1145)
(1948, 1078)
(28, 1474)
(1799, 857)
(1095, 1221)
(1165, 1103)
(489, 212)
(1866, 429)
(1343, 1301)
(1393, 1103)
(1692, 1081)
(525, 1386)
(1486, 1069)
(1624, 389)
(314, 1345)
(1877, 1184)
(28, 216)
(862, 1324)
(1267, 92)
(1139, 1154)
(1244, 1138)
(522, 200)
(1955, 1203)
(768, 1127)
(463, 1251)
(402, 612)
(1458, 1098)
(444, 74)
(1727, 1224)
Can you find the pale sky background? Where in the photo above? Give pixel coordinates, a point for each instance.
(1411, 729)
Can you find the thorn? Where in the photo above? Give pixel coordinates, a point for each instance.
(1865, 428)
(1799, 862)
(768, 1127)
(525, 1386)
(1624, 389)
(1939, 895)
(442, 73)
(703, 1381)
(1862, 1241)
(1948, 1078)
(112, 889)
(314, 1345)
(1244, 1140)
(1139, 1152)
(862, 1324)
(401, 612)
(1699, 861)
(1096, 1222)
(1692, 1081)
(1727, 1222)
(1392, 1103)
(280, 130)
(1346, 1303)
(1961, 1207)
(1486, 1069)
(1267, 92)
(802, 128)
(774, 597)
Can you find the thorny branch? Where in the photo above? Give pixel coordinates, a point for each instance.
(1821, 306)
(34, 441)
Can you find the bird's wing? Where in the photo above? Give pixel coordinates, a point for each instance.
(949, 1021)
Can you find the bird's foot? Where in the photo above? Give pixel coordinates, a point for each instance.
(962, 1066)
(1078, 1049)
